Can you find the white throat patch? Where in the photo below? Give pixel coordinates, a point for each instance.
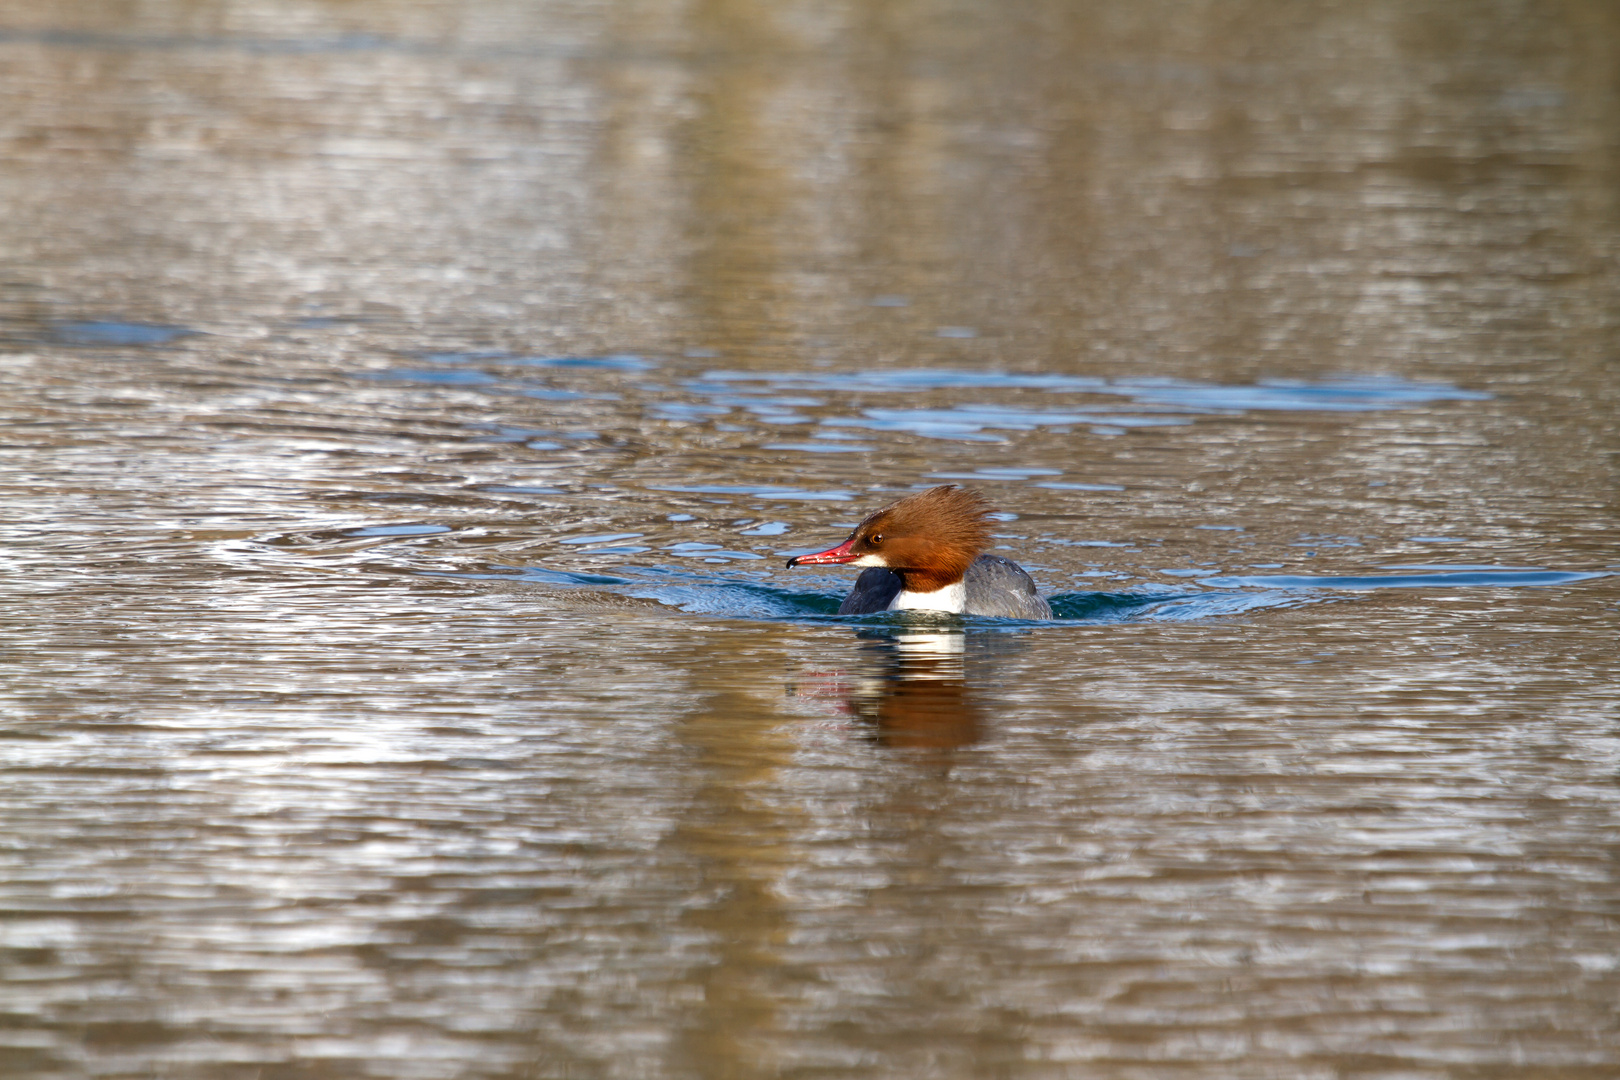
(950, 598)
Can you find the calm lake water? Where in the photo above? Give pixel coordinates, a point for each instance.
(407, 408)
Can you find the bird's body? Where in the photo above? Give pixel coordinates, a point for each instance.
(926, 552)
(991, 586)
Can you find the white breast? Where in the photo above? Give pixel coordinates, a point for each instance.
(950, 598)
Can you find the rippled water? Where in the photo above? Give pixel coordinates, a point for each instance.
(406, 411)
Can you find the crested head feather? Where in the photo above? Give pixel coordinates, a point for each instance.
(949, 515)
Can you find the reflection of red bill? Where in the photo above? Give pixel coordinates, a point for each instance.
(827, 689)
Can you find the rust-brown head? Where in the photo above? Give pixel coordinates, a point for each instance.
(929, 539)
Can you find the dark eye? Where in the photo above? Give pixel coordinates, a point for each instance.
(877, 538)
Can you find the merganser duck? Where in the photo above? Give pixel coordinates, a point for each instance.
(925, 553)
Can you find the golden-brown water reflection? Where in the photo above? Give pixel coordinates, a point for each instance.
(913, 687)
(408, 407)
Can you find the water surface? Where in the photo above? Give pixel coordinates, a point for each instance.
(406, 411)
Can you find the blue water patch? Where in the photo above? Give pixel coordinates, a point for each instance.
(438, 378)
(542, 393)
(758, 492)
(969, 422)
(501, 433)
(700, 592)
(710, 552)
(600, 538)
(1438, 579)
(1346, 394)
(1444, 568)
(995, 474)
(911, 380)
(112, 332)
(517, 489)
(1334, 395)
(687, 410)
(823, 448)
(614, 362)
(399, 530)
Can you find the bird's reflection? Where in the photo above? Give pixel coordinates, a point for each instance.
(918, 689)
(915, 694)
